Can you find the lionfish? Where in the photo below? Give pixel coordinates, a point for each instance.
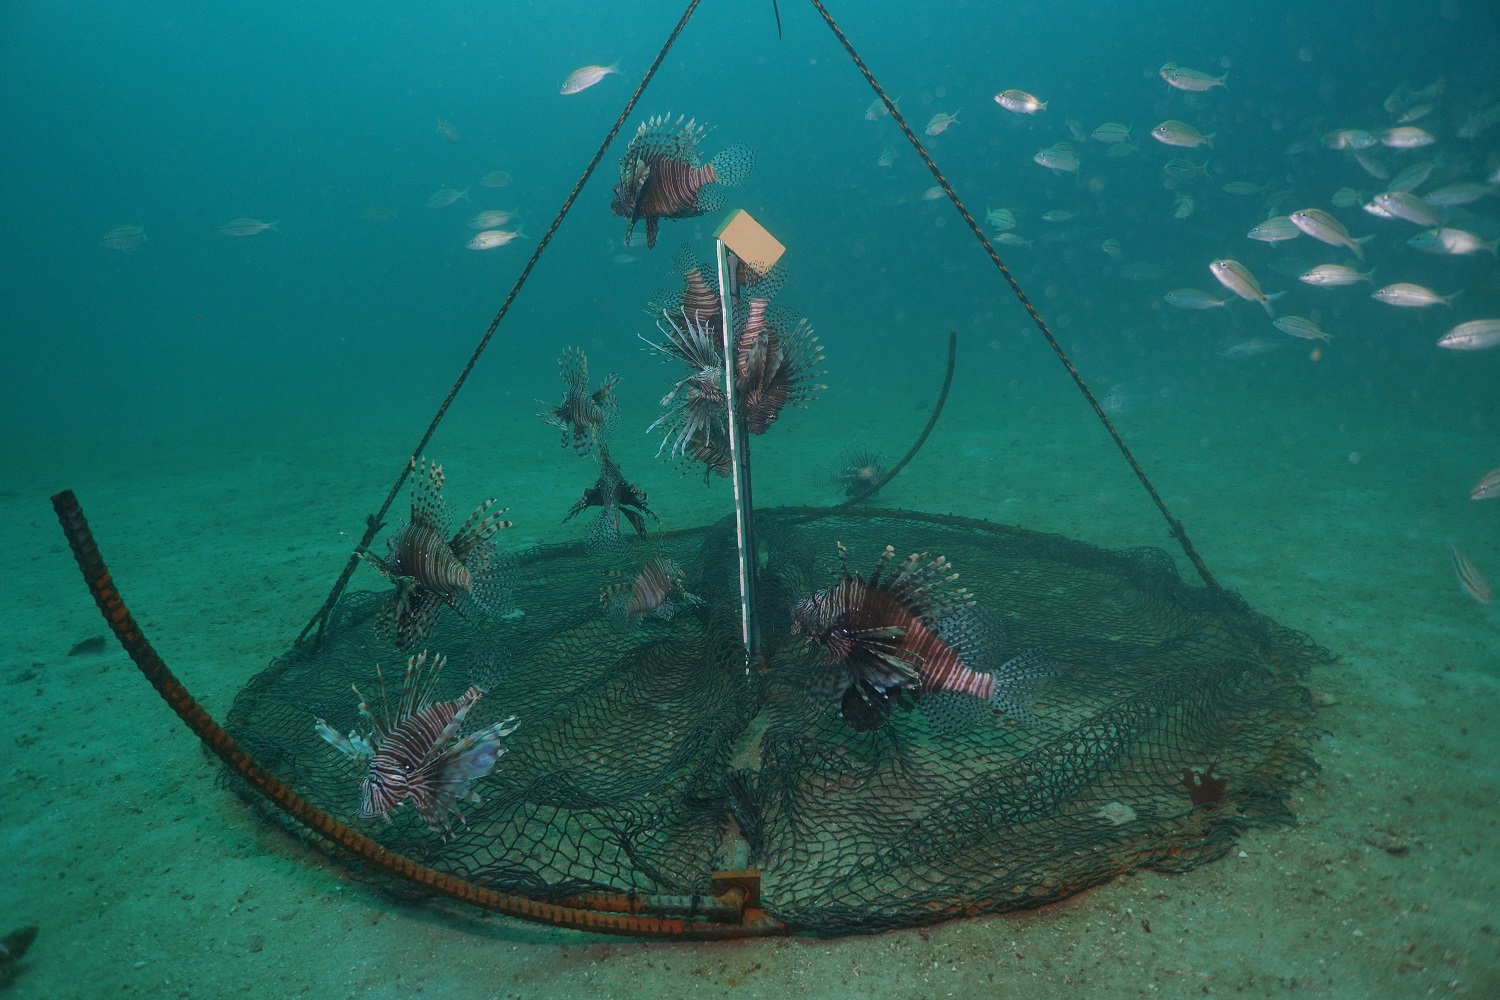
(663, 176)
(616, 496)
(651, 591)
(582, 415)
(859, 469)
(900, 635)
(431, 570)
(411, 753)
(775, 361)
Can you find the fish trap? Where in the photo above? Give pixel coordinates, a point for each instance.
(782, 722)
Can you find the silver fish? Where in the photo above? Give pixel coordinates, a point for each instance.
(447, 131)
(125, 238)
(1058, 157)
(877, 109)
(1275, 230)
(1406, 137)
(1470, 580)
(1405, 205)
(248, 227)
(1450, 241)
(1111, 133)
(1020, 102)
(1191, 79)
(1192, 298)
(1479, 122)
(443, 197)
(1404, 293)
(1413, 176)
(1349, 138)
(1475, 335)
(1013, 240)
(1183, 206)
(1345, 197)
(938, 123)
(491, 219)
(1299, 326)
(1237, 278)
(1321, 226)
(1488, 486)
(586, 76)
(1176, 133)
(1334, 275)
(1457, 193)
(492, 238)
(1250, 348)
(1000, 218)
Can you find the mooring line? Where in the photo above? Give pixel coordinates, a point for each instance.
(1173, 524)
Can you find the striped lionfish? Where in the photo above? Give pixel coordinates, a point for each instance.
(903, 635)
(617, 497)
(776, 360)
(431, 569)
(583, 415)
(411, 753)
(651, 591)
(663, 176)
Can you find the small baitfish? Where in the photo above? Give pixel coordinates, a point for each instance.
(1404, 293)
(1451, 241)
(1321, 226)
(1407, 206)
(1488, 486)
(1191, 79)
(586, 76)
(1111, 133)
(1058, 157)
(492, 238)
(1176, 133)
(248, 227)
(1300, 326)
(1475, 335)
(443, 197)
(125, 238)
(1470, 580)
(1276, 229)
(1192, 298)
(1237, 278)
(938, 123)
(1335, 275)
(1020, 102)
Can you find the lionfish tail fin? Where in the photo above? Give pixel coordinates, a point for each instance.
(732, 165)
(1013, 692)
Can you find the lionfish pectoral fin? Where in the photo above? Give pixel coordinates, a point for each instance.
(652, 225)
(865, 710)
(636, 521)
(478, 529)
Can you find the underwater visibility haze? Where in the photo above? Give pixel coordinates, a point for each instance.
(251, 248)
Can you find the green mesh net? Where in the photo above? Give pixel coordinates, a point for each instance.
(648, 756)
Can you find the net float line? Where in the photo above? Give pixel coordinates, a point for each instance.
(605, 913)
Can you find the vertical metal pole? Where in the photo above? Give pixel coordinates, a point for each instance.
(739, 452)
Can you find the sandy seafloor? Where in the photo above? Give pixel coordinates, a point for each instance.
(148, 878)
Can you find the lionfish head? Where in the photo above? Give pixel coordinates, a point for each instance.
(380, 793)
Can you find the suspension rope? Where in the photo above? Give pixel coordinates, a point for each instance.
(1173, 524)
(374, 522)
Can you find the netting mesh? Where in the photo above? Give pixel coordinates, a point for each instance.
(647, 757)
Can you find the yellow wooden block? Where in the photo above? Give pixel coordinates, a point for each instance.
(749, 241)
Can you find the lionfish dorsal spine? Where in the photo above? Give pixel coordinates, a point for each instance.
(478, 528)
